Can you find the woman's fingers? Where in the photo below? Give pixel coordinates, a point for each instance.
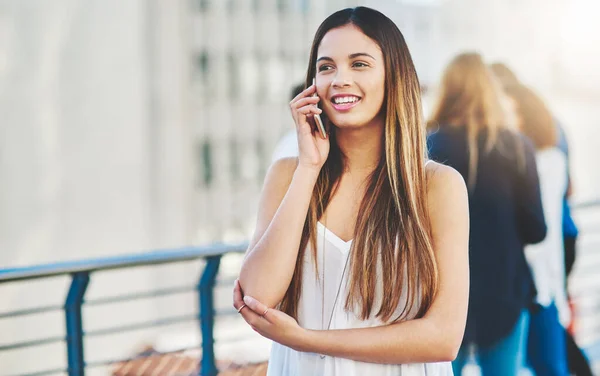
(305, 93)
(238, 298)
(305, 101)
(306, 110)
(256, 306)
(248, 311)
(301, 105)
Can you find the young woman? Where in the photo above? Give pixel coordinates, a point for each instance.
(359, 261)
(547, 351)
(469, 133)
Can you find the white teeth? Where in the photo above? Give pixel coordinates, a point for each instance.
(340, 100)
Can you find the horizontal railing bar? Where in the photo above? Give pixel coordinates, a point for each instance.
(44, 373)
(142, 295)
(117, 262)
(151, 294)
(142, 325)
(101, 363)
(32, 343)
(585, 204)
(225, 282)
(30, 311)
(225, 312)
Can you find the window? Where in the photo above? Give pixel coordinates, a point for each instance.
(234, 160)
(202, 5)
(202, 65)
(263, 162)
(256, 5)
(230, 5)
(234, 75)
(206, 162)
(201, 74)
(282, 5)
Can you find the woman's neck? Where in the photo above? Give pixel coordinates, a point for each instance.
(361, 147)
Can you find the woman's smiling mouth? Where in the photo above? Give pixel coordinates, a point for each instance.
(344, 102)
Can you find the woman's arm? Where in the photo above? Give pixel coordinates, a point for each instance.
(271, 258)
(435, 337)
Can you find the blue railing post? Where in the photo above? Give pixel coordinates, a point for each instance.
(207, 315)
(75, 358)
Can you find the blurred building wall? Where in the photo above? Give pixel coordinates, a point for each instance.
(75, 146)
(94, 154)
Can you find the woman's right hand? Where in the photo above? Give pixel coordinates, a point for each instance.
(313, 149)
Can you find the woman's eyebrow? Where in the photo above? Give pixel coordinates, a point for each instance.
(351, 56)
(359, 54)
(324, 58)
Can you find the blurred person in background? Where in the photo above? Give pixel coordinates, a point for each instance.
(578, 362)
(358, 265)
(468, 132)
(576, 359)
(288, 145)
(546, 352)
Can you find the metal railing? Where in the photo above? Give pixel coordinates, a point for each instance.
(82, 271)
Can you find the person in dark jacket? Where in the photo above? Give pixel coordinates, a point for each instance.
(577, 361)
(468, 132)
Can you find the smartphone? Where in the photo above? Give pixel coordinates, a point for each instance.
(318, 120)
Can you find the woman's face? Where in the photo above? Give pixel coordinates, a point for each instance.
(350, 77)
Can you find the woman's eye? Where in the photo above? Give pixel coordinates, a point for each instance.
(359, 64)
(324, 67)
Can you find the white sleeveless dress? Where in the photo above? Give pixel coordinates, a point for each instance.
(287, 362)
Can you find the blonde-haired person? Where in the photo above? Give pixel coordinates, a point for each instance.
(358, 265)
(577, 361)
(468, 132)
(547, 351)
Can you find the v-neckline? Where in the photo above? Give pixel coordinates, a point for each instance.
(333, 238)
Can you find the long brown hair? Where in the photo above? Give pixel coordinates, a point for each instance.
(535, 120)
(505, 75)
(470, 97)
(394, 229)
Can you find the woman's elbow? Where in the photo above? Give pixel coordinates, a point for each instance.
(448, 343)
(270, 298)
(447, 350)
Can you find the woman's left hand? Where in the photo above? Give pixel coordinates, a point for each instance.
(268, 322)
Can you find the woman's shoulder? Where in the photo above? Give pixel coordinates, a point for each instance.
(282, 170)
(447, 197)
(284, 165)
(442, 178)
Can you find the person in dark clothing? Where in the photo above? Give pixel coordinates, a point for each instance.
(468, 133)
(576, 359)
(570, 231)
(546, 348)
